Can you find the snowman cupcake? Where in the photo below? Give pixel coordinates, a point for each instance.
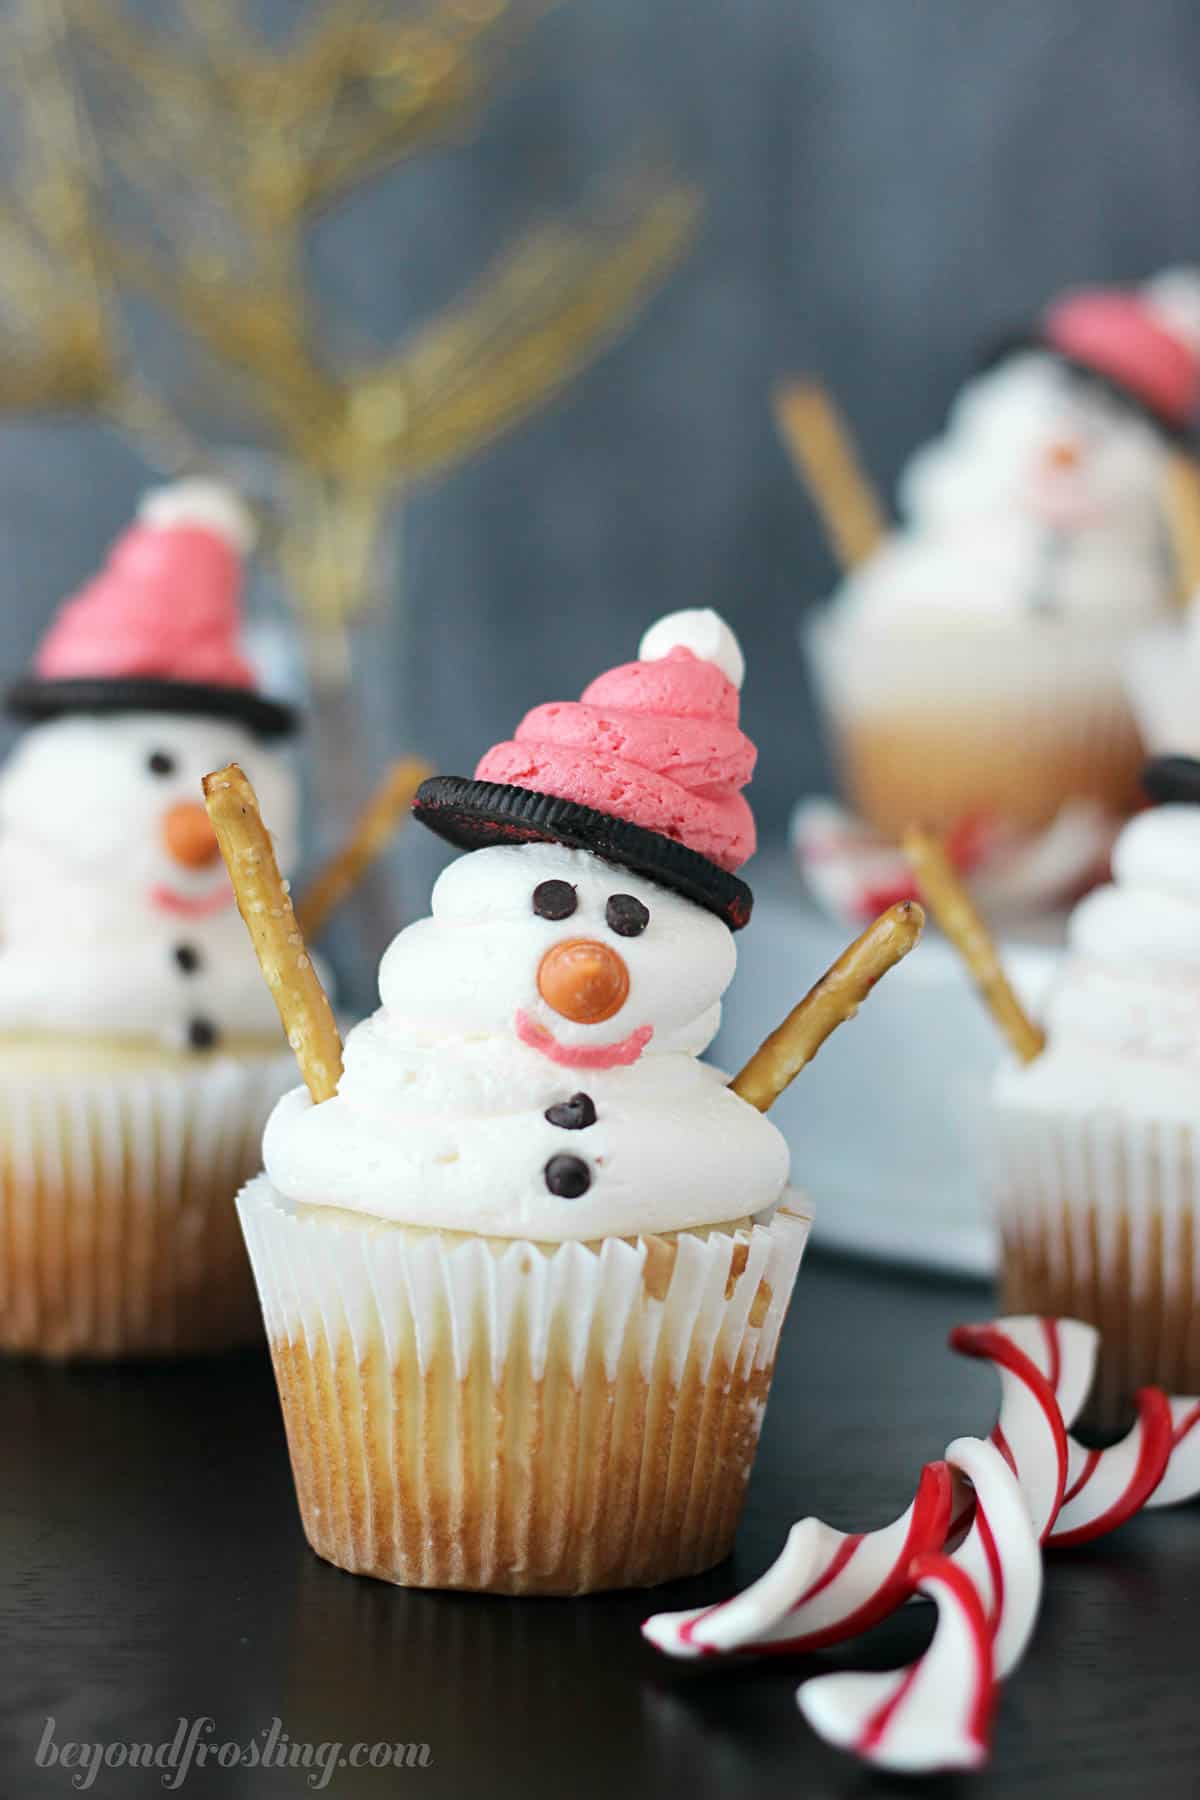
(139, 1052)
(524, 1275)
(1098, 1138)
(971, 667)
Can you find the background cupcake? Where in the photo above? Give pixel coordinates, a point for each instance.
(524, 1275)
(971, 667)
(1097, 1140)
(139, 1052)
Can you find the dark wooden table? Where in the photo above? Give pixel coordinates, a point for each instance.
(153, 1568)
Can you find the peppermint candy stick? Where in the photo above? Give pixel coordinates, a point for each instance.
(826, 1585)
(1000, 1552)
(1063, 1350)
(1106, 1487)
(1029, 1433)
(1182, 1479)
(1055, 1359)
(934, 1714)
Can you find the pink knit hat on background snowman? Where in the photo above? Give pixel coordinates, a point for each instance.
(1142, 342)
(159, 627)
(646, 770)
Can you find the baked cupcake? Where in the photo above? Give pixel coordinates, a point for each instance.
(1097, 1140)
(971, 667)
(139, 1052)
(524, 1275)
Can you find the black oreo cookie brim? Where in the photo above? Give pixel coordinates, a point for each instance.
(474, 814)
(1172, 781)
(1017, 342)
(42, 700)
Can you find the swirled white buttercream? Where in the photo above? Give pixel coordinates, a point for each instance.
(1123, 1022)
(1041, 500)
(103, 932)
(439, 1119)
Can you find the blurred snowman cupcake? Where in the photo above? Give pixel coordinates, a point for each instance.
(1098, 1138)
(524, 1274)
(139, 1053)
(972, 666)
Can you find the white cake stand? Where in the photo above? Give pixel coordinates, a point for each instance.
(885, 1126)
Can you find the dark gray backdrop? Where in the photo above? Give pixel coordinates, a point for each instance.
(889, 182)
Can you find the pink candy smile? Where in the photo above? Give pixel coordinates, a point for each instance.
(583, 1056)
(187, 907)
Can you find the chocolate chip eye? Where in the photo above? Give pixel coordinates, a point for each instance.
(554, 900)
(161, 762)
(626, 916)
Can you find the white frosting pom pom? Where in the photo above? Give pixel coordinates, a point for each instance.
(701, 631)
(209, 505)
(1174, 296)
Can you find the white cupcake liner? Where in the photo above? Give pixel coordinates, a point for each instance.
(1009, 722)
(1099, 1219)
(472, 1412)
(118, 1233)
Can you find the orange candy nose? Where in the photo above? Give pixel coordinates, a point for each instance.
(1063, 454)
(188, 835)
(582, 980)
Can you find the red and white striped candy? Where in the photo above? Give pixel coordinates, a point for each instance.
(1029, 1433)
(1106, 1487)
(1182, 1478)
(1000, 1552)
(971, 1541)
(1063, 1350)
(1044, 1361)
(935, 1714)
(825, 1586)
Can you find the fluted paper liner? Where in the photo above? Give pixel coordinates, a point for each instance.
(1099, 1219)
(976, 721)
(118, 1230)
(469, 1412)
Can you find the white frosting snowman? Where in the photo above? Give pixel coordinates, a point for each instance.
(1042, 497)
(445, 1115)
(1123, 1022)
(533, 1069)
(117, 918)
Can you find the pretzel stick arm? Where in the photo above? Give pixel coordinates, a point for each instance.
(1183, 519)
(819, 444)
(835, 998)
(383, 814)
(948, 900)
(264, 904)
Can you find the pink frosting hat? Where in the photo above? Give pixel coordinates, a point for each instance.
(645, 769)
(1119, 337)
(158, 628)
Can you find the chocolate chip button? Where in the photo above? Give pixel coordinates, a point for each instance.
(568, 1177)
(1172, 780)
(575, 1114)
(202, 1034)
(187, 957)
(554, 899)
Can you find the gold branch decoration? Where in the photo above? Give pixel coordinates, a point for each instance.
(531, 324)
(185, 162)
